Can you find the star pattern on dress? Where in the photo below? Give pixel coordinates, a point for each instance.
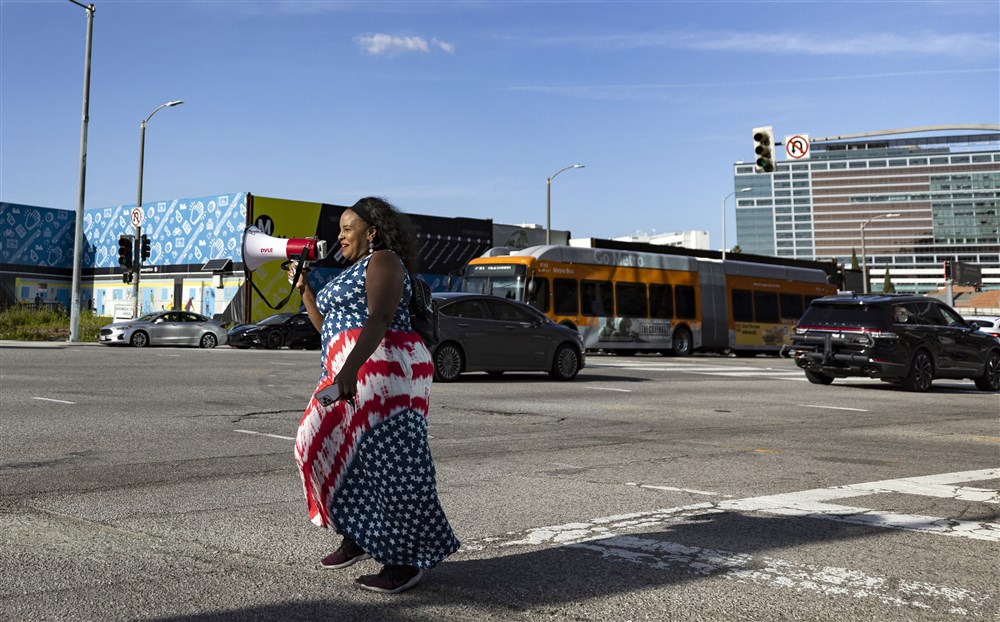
(379, 506)
(344, 302)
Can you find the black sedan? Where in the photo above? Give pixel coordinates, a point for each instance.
(492, 334)
(284, 329)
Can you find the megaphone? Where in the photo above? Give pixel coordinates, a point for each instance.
(260, 248)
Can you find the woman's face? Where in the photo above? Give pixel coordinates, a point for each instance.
(354, 236)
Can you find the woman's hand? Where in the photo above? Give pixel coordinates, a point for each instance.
(347, 383)
(303, 281)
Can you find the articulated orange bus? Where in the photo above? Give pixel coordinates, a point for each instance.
(629, 302)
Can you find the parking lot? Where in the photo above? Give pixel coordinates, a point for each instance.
(159, 484)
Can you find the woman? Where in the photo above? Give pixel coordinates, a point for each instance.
(364, 459)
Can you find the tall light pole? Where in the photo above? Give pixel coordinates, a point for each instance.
(864, 253)
(137, 246)
(724, 217)
(548, 202)
(74, 307)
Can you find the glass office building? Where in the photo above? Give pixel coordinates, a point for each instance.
(922, 201)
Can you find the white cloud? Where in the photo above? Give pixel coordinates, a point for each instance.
(444, 45)
(925, 44)
(381, 44)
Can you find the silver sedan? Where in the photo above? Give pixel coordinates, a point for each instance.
(166, 328)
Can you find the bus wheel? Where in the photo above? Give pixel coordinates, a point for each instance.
(682, 342)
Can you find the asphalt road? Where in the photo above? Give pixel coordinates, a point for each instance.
(158, 484)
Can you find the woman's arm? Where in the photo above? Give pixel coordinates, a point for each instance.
(384, 288)
(308, 296)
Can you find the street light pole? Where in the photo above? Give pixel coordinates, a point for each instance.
(548, 202)
(864, 253)
(724, 218)
(137, 246)
(74, 307)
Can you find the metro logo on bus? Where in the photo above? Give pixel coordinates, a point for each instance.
(613, 258)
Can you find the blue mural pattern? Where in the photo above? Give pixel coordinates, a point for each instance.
(37, 236)
(180, 231)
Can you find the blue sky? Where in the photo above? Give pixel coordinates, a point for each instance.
(465, 108)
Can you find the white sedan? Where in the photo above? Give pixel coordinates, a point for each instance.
(166, 328)
(986, 323)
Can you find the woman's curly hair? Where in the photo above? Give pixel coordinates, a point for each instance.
(394, 229)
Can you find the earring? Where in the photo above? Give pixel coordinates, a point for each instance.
(371, 246)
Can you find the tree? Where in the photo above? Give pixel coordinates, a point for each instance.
(887, 286)
(736, 250)
(854, 259)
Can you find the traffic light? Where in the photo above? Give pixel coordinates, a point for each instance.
(125, 251)
(763, 149)
(144, 247)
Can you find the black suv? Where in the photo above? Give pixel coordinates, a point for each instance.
(903, 339)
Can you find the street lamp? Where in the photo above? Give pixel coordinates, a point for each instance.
(548, 202)
(864, 254)
(724, 217)
(74, 307)
(137, 262)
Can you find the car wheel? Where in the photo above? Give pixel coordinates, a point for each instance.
(208, 340)
(682, 344)
(818, 378)
(448, 362)
(274, 340)
(990, 380)
(565, 363)
(139, 339)
(921, 373)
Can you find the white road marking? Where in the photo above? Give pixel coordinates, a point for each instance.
(694, 492)
(285, 438)
(813, 504)
(609, 389)
(860, 410)
(775, 572)
(606, 536)
(49, 399)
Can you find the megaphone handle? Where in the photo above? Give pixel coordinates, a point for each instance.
(299, 267)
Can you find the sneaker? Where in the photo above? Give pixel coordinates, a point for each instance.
(347, 554)
(392, 579)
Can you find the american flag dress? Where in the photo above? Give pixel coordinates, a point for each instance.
(366, 466)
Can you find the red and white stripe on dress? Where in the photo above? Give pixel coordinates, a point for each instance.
(395, 379)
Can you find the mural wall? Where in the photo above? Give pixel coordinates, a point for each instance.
(182, 232)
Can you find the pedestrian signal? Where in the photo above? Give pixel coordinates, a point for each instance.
(144, 247)
(763, 149)
(125, 251)
(126, 277)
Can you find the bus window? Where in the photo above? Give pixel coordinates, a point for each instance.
(791, 306)
(564, 293)
(630, 300)
(742, 305)
(765, 306)
(807, 300)
(686, 307)
(538, 294)
(595, 298)
(661, 302)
